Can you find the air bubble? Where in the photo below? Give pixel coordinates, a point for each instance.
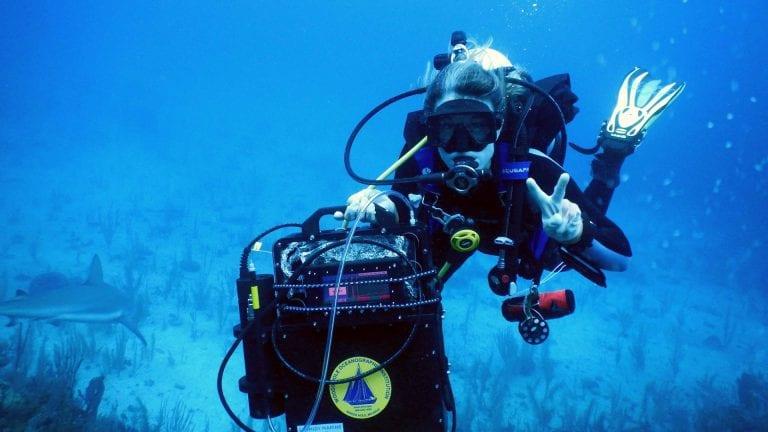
(601, 60)
(671, 73)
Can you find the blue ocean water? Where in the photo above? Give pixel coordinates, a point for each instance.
(162, 136)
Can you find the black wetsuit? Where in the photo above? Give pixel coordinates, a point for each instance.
(484, 203)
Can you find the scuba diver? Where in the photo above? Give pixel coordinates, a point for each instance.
(489, 129)
(359, 312)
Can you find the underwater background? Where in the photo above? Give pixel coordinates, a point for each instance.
(162, 136)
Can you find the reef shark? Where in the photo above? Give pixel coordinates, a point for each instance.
(62, 299)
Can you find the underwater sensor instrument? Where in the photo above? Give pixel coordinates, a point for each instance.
(346, 332)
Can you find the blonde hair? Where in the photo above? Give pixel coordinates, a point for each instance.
(468, 79)
(492, 61)
(489, 58)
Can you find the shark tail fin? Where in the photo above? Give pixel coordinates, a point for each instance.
(131, 325)
(95, 275)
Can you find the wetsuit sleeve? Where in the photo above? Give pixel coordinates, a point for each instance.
(597, 227)
(606, 171)
(599, 194)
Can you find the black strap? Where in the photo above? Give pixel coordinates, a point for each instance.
(515, 194)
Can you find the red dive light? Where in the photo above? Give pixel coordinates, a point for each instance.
(554, 304)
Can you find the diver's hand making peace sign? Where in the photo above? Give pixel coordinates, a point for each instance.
(560, 218)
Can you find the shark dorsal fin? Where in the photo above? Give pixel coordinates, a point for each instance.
(95, 276)
(21, 293)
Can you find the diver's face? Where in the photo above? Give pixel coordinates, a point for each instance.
(464, 137)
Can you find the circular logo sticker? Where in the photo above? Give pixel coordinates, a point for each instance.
(362, 398)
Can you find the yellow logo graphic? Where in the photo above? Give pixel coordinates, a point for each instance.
(362, 398)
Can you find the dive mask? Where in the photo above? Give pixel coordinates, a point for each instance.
(462, 125)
